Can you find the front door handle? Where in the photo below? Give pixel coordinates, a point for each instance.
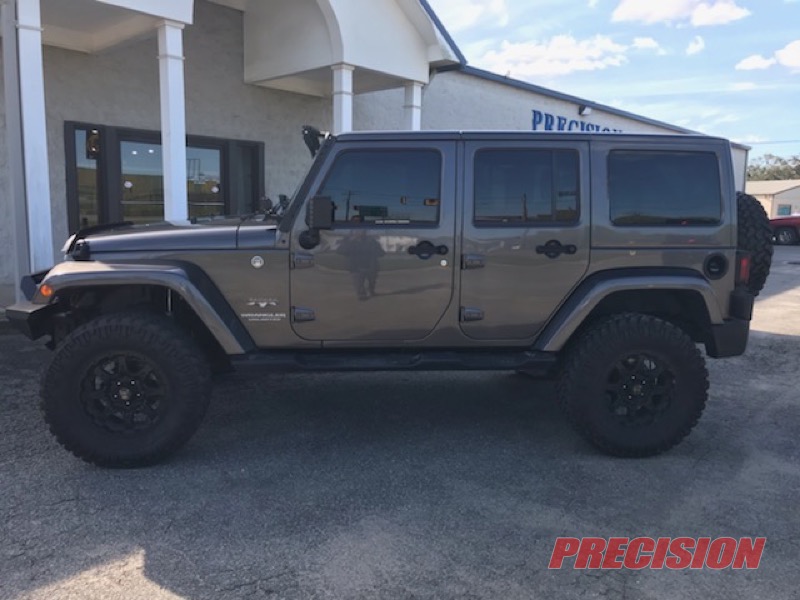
(425, 250)
(554, 249)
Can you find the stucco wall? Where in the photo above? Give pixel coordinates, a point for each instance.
(119, 87)
(455, 100)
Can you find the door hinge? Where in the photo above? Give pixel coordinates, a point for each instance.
(469, 315)
(473, 261)
(303, 315)
(301, 260)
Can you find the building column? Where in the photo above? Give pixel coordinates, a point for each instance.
(173, 120)
(342, 98)
(33, 129)
(413, 106)
(18, 223)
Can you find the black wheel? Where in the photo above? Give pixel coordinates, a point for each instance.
(126, 390)
(786, 236)
(755, 237)
(633, 385)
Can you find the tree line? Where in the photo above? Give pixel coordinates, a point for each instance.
(770, 167)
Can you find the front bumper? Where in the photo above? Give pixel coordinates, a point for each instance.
(33, 320)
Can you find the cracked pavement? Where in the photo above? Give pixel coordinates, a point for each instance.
(431, 485)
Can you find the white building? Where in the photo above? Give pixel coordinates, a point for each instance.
(99, 97)
(780, 198)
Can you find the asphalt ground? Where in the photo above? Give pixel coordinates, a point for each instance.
(433, 485)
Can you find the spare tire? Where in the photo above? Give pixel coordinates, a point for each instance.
(755, 237)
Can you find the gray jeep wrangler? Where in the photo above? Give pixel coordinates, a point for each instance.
(602, 260)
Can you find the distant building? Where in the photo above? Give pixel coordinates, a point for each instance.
(780, 198)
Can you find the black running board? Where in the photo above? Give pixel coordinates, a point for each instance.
(382, 360)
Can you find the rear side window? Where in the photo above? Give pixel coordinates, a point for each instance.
(526, 187)
(386, 187)
(664, 188)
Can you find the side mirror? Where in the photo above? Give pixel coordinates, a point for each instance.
(319, 214)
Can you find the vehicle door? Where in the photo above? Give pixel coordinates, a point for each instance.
(525, 234)
(384, 272)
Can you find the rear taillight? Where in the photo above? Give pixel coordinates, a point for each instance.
(743, 263)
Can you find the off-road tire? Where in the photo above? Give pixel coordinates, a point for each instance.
(786, 236)
(172, 377)
(590, 379)
(755, 237)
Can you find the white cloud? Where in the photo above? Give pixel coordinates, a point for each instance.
(743, 86)
(458, 15)
(755, 62)
(645, 43)
(790, 55)
(697, 12)
(560, 55)
(719, 13)
(593, 3)
(696, 46)
(648, 43)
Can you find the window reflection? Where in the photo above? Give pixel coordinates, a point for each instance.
(204, 182)
(87, 148)
(143, 182)
(222, 176)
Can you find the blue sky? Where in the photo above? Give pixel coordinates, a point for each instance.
(723, 67)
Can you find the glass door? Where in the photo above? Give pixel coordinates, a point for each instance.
(204, 174)
(143, 182)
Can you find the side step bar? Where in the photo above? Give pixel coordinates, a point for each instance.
(433, 360)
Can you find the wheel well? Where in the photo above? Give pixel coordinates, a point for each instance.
(683, 308)
(83, 304)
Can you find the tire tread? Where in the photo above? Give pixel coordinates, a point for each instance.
(755, 237)
(591, 342)
(152, 329)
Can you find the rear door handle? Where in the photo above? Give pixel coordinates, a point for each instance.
(425, 250)
(473, 261)
(554, 249)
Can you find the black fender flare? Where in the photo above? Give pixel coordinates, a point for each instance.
(184, 279)
(585, 298)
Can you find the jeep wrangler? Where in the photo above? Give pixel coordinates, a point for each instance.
(601, 260)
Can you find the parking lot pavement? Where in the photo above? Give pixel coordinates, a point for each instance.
(405, 485)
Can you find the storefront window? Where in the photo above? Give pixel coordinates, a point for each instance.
(87, 148)
(204, 174)
(223, 176)
(143, 182)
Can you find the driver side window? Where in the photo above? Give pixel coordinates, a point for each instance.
(385, 187)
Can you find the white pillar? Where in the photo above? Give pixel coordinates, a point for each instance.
(413, 106)
(342, 98)
(173, 120)
(34, 134)
(18, 225)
